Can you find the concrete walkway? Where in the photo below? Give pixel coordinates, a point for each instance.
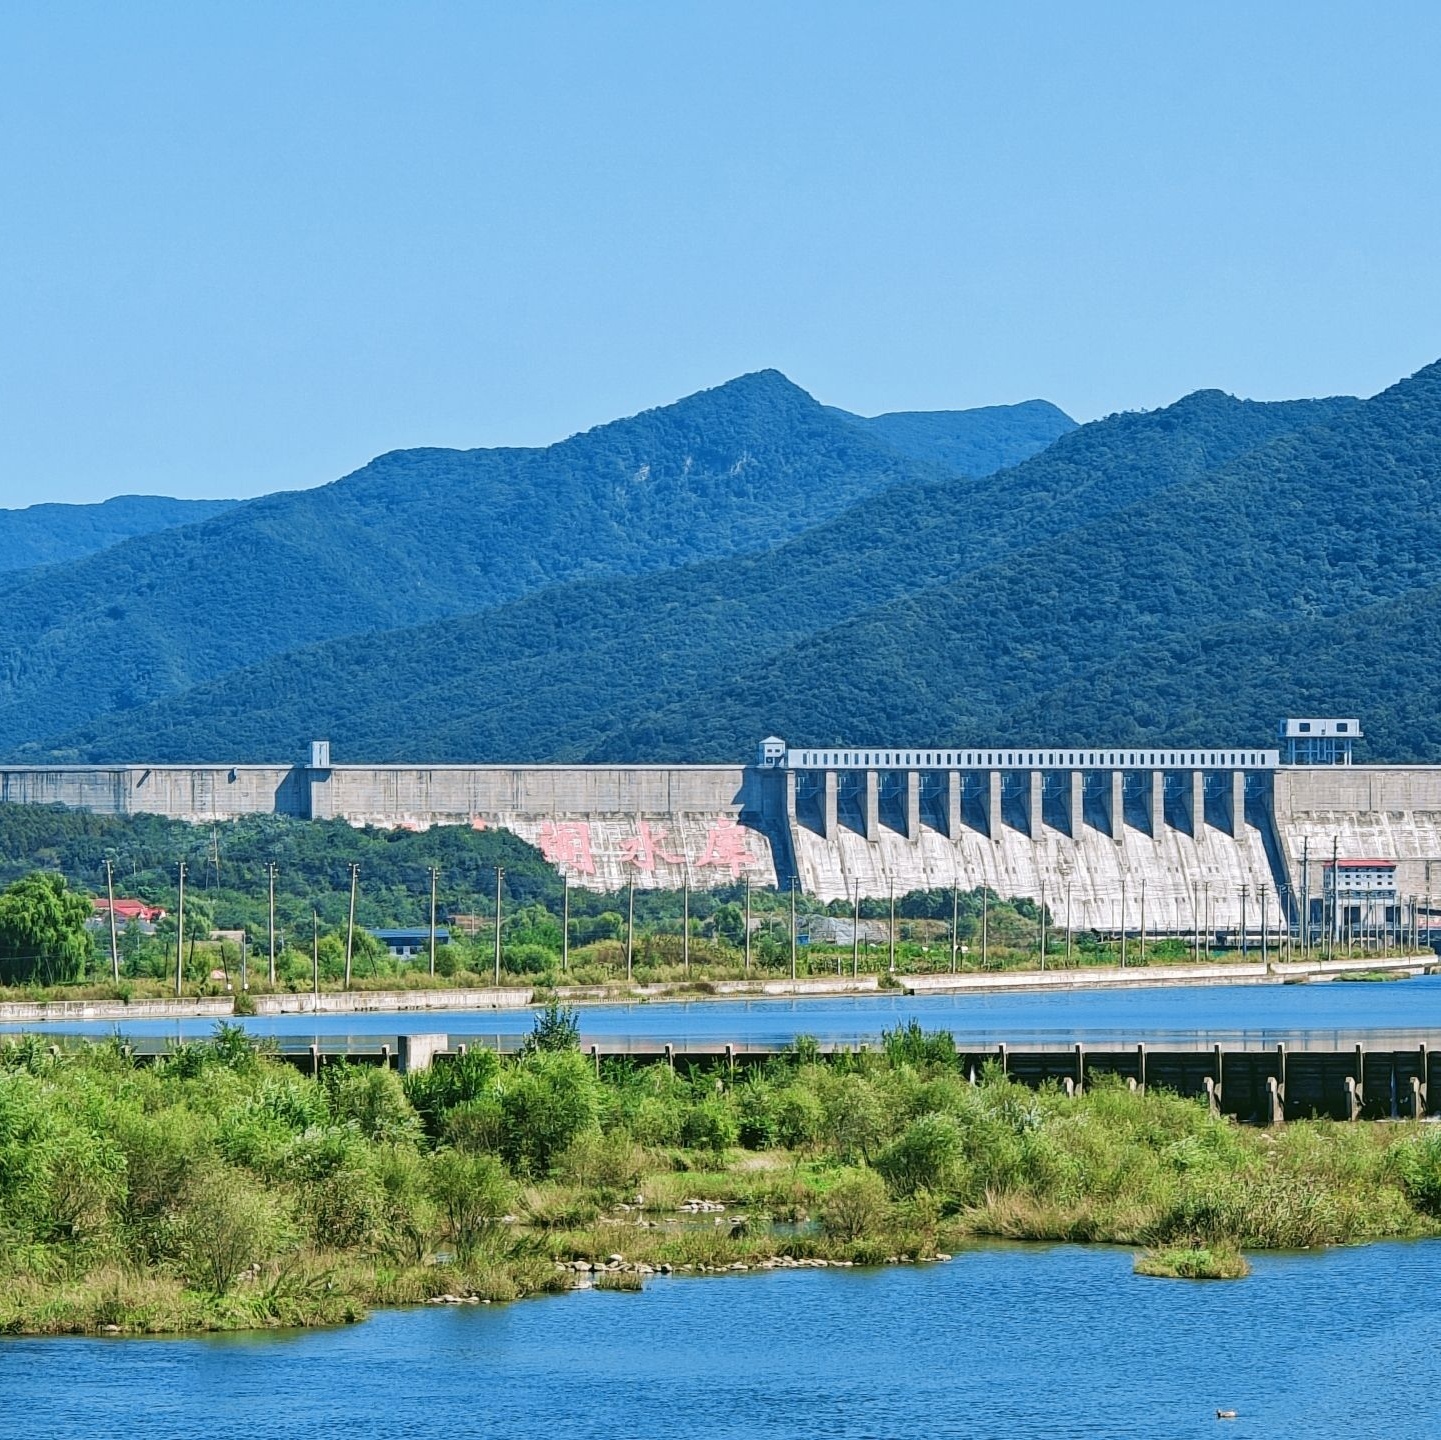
(362, 1002)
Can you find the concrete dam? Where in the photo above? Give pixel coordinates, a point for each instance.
(1110, 837)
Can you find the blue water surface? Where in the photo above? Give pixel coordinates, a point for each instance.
(1264, 1013)
(1005, 1342)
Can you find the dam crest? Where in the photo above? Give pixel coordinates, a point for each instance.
(1111, 837)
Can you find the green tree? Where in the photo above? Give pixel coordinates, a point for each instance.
(42, 930)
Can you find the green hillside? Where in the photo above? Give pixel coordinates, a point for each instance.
(680, 665)
(50, 534)
(420, 534)
(969, 442)
(1295, 576)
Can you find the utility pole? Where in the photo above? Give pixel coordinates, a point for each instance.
(685, 925)
(793, 927)
(565, 924)
(499, 875)
(985, 925)
(270, 877)
(1208, 932)
(1043, 925)
(245, 959)
(748, 925)
(629, 930)
(434, 877)
(1244, 948)
(856, 933)
(955, 925)
(114, 943)
(350, 923)
(1263, 926)
(315, 954)
(1068, 924)
(180, 933)
(893, 927)
(1333, 927)
(1306, 898)
(1196, 920)
(1123, 921)
(1143, 924)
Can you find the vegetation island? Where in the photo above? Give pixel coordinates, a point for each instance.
(219, 1188)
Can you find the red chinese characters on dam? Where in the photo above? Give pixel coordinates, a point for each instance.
(568, 844)
(725, 847)
(646, 847)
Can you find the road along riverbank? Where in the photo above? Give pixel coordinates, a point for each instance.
(506, 997)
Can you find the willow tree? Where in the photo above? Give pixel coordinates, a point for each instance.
(42, 931)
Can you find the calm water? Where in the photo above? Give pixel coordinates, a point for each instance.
(1260, 1011)
(1009, 1343)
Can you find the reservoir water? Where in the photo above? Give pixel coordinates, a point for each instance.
(1267, 1013)
(1013, 1342)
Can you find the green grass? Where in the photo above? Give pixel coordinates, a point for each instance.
(1193, 1263)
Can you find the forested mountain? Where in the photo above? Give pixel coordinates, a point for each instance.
(969, 442)
(1299, 577)
(49, 534)
(419, 534)
(684, 665)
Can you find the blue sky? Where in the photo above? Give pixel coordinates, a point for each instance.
(246, 247)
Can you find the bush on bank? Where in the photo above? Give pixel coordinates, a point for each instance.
(221, 1188)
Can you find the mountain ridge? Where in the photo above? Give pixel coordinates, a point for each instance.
(544, 659)
(418, 535)
(52, 532)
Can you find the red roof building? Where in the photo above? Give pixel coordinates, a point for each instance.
(128, 910)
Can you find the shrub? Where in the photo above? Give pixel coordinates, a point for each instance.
(449, 1082)
(856, 1206)
(1416, 1163)
(557, 1027)
(472, 1194)
(227, 1224)
(611, 1164)
(374, 1100)
(855, 1116)
(348, 1209)
(755, 1103)
(545, 1103)
(710, 1125)
(527, 959)
(910, 1044)
(926, 1157)
(799, 1117)
(476, 1126)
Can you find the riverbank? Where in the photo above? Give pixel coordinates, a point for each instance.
(218, 1189)
(505, 997)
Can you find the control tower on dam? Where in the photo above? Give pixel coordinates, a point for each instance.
(1101, 833)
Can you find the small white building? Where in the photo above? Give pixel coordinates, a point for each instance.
(1361, 896)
